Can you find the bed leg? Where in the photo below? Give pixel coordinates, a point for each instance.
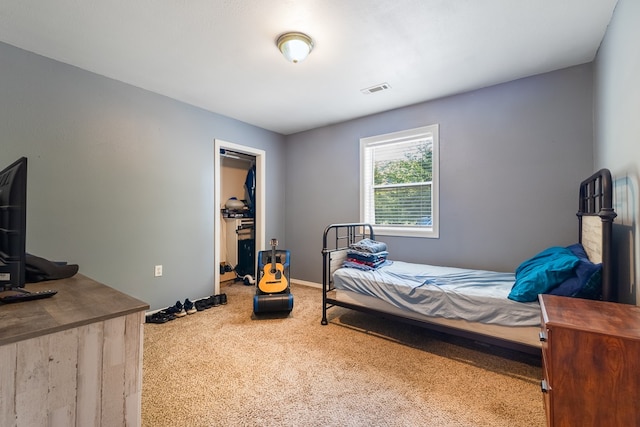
(324, 312)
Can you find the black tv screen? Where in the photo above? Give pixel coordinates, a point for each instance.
(13, 224)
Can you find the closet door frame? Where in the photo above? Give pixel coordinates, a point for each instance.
(259, 220)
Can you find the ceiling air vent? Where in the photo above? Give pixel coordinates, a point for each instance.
(376, 88)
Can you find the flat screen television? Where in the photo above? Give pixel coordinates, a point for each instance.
(13, 225)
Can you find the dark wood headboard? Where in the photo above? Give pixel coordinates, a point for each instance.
(595, 222)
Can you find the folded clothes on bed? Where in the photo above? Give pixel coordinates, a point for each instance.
(374, 264)
(369, 245)
(365, 266)
(366, 256)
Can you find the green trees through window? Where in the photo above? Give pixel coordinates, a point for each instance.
(402, 184)
(398, 175)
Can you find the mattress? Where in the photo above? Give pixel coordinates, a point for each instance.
(448, 292)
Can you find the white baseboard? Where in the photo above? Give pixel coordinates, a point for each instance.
(306, 283)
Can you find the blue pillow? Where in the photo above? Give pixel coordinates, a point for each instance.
(543, 272)
(587, 280)
(578, 250)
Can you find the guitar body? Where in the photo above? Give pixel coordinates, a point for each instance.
(273, 279)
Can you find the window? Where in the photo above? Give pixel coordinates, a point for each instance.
(399, 182)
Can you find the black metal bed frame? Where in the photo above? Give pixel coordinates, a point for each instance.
(595, 199)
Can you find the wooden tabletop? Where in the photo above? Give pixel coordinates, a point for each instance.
(599, 317)
(79, 301)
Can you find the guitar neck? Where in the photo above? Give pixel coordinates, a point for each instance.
(274, 243)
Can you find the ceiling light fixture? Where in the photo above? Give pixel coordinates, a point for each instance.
(295, 46)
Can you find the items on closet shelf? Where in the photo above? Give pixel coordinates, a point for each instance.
(235, 208)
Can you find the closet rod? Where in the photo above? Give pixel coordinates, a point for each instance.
(235, 155)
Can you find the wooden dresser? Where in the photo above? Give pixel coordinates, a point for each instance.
(74, 359)
(591, 362)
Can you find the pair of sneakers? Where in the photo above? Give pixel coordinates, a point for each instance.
(212, 301)
(181, 310)
(159, 317)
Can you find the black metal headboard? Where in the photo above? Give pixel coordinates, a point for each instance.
(337, 238)
(595, 222)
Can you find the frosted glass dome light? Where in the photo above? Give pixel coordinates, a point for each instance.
(295, 47)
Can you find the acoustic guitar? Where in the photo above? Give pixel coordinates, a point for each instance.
(273, 279)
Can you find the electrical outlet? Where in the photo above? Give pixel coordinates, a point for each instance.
(158, 271)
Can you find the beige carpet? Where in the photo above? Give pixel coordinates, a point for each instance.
(224, 367)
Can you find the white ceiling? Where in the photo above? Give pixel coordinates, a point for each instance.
(221, 55)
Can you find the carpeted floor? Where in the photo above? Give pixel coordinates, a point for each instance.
(225, 367)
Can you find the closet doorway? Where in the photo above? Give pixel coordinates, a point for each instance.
(219, 201)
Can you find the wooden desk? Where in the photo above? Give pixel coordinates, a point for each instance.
(74, 359)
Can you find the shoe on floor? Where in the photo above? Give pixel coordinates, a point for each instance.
(169, 313)
(180, 309)
(158, 317)
(204, 304)
(216, 300)
(177, 310)
(223, 299)
(213, 301)
(189, 307)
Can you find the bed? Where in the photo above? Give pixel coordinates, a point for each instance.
(476, 304)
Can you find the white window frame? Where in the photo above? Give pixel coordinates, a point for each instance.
(431, 131)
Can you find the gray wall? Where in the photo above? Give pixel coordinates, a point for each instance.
(617, 129)
(511, 160)
(121, 179)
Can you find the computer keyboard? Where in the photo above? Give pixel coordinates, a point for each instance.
(27, 296)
